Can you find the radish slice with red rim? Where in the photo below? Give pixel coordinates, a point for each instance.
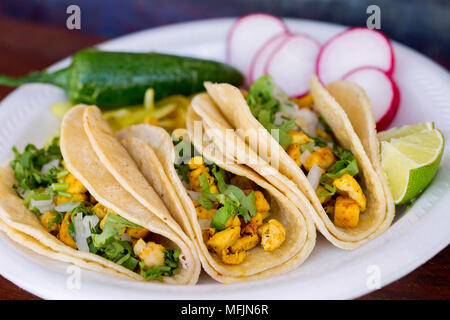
(247, 35)
(351, 49)
(261, 57)
(292, 63)
(382, 92)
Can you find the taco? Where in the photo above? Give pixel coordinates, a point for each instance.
(311, 141)
(244, 228)
(63, 202)
(357, 106)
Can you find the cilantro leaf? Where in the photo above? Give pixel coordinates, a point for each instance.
(114, 225)
(183, 170)
(263, 105)
(28, 164)
(235, 201)
(170, 268)
(222, 215)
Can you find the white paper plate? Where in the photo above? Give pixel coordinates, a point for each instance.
(329, 272)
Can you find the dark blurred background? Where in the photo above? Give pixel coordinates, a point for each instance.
(421, 24)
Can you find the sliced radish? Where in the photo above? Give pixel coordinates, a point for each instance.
(382, 92)
(247, 35)
(262, 55)
(292, 63)
(351, 49)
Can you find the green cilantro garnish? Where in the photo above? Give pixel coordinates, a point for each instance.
(263, 105)
(58, 218)
(27, 166)
(232, 198)
(325, 126)
(170, 268)
(113, 226)
(184, 151)
(107, 244)
(345, 165)
(320, 142)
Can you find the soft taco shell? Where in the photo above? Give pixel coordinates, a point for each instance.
(22, 226)
(229, 104)
(81, 160)
(357, 106)
(258, 263)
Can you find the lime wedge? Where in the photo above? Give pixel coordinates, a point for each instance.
(404, 131)
(411, 161)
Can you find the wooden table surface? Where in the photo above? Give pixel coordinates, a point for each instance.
(25, 47)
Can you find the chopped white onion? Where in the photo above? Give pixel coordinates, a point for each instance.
(320, 126)
(183, 261)
(279, 119)
(82, 229)
(24, 193)
(125, 237)
(90, 222)
(204, 223)
(194, 194)
(42, 205)
(304, 156)
(314, 176)
(67, 206)
(307, 120)
(52, 164)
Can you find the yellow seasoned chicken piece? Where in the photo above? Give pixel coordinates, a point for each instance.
(263, 215)
(346, 212)
(223, 239)
(329, 207)
(208, 233)
(347, 185)
(234, 221)
(272, 235)
(138, 233)
(76, 197)
(152, 254)
(64, 235)
(233, 258)
(196, 162)
(323, 157)
(48, 221)
(322, 199)
(304, 102)
(244, 243)
(255, 222)
(194, 179)
(294, 152)
(203, 213)
(299, 137)
(261, 203)
(322, 134)
(75, 185)
(100, 210)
